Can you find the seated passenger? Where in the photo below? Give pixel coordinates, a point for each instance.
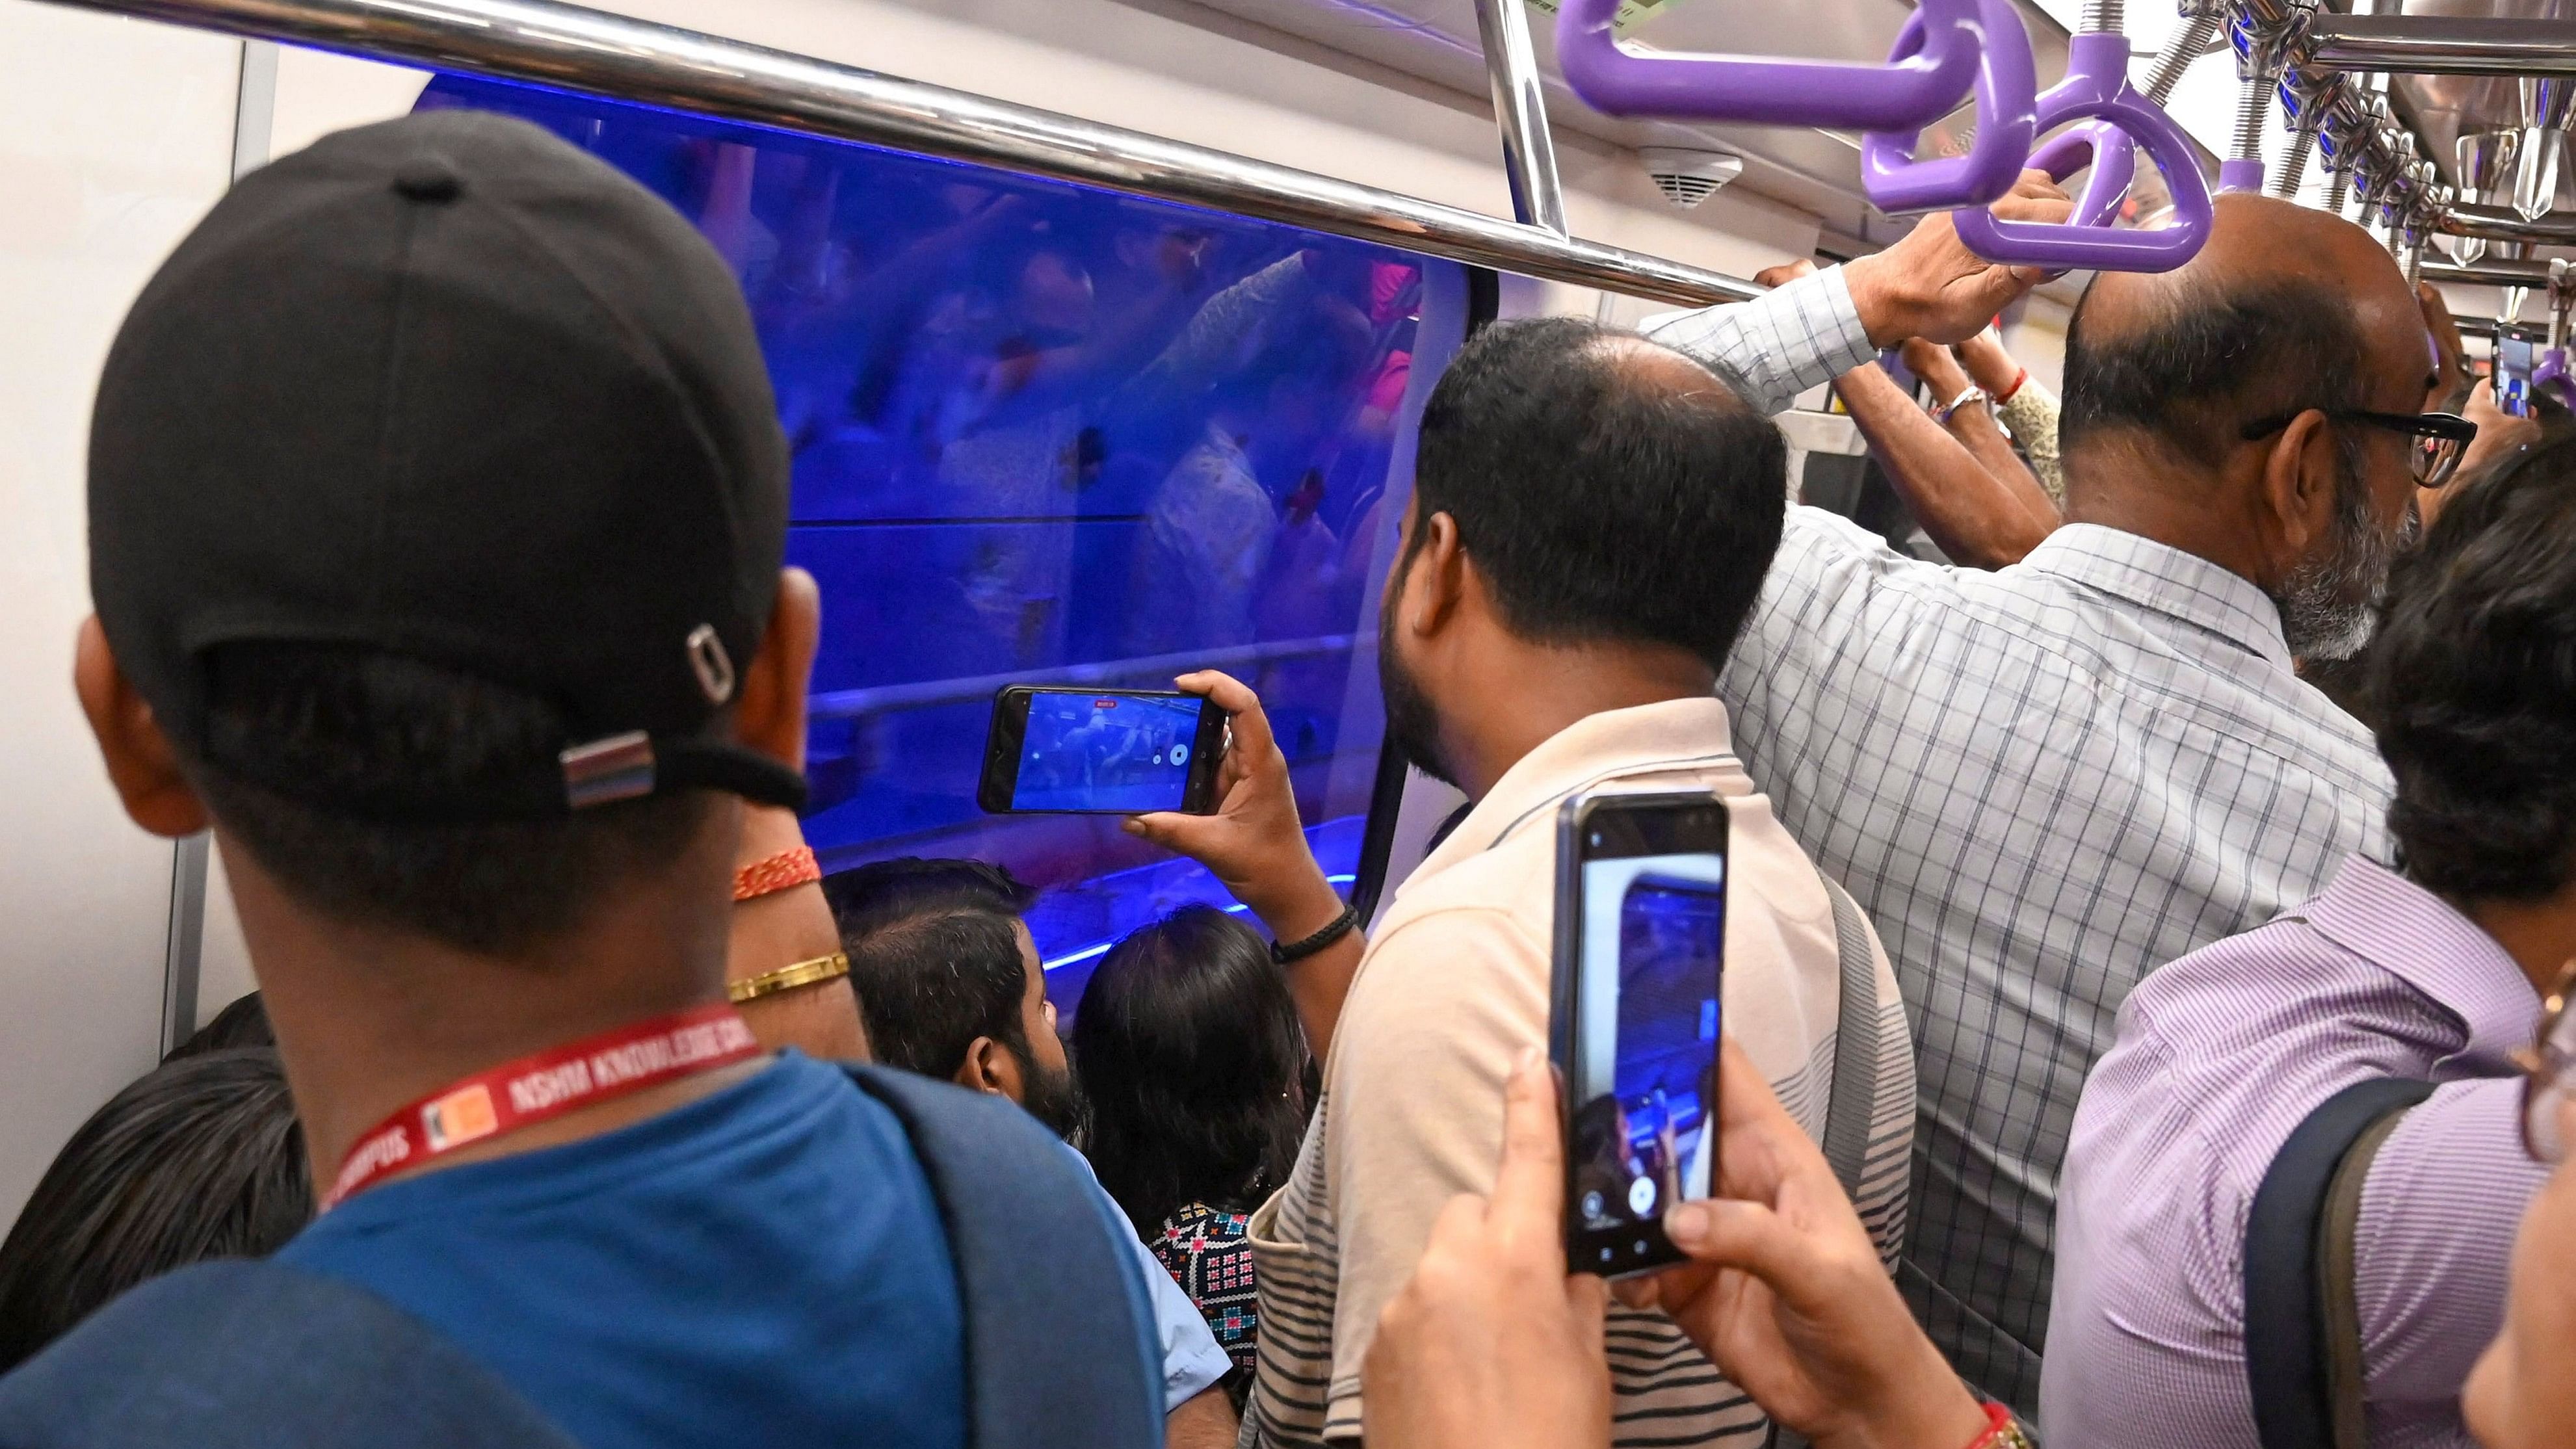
(199, 1158)
(437, 518)
(2046, 781)
(950, 984)
(1591, 518)
(1191, 1064)
(2430, 973)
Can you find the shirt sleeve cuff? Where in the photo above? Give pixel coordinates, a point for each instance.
(1831, 322)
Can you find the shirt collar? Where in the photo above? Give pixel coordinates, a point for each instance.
(2421, 939)
(1673, 734)
(2167, 580)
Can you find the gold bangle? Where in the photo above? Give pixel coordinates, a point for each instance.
(788, 978)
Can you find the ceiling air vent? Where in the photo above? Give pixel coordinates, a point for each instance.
(1688, 177)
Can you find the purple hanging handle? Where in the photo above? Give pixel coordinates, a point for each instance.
(2097, 88)
(2550, 375)
(2105, 148)
(2007, 107)
(1767, 90)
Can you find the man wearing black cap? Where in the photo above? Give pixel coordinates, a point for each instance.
(438, 509)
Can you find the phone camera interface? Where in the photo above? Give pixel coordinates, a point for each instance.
(1653, 933)
(1108, 752)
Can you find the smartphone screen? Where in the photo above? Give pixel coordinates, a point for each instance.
(2513, 375)
(1641, 1009)
(1087, 751)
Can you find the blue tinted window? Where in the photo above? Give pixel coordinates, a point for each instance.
(1050, 435)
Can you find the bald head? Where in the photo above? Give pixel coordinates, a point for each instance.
(2284, 308)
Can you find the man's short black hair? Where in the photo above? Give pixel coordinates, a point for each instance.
(1602, 502)
(2213, 360)
(2473, 677)
(356, 721)
(934, 957)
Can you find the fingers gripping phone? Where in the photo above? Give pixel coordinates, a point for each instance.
(1101, 752)
(1633, 1029)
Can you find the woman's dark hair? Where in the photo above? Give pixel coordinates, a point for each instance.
(1190, 1054)
(202, 1158)
(2473, 680)
(242, 1024)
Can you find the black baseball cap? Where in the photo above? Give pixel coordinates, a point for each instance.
(451, 389)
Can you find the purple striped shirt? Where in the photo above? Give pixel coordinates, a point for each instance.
(2219, 1055)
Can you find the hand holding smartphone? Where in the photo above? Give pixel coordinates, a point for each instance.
(1639, 962)
(1101, 752)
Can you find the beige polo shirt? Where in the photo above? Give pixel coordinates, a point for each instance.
(1452, 988)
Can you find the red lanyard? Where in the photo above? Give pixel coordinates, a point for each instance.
(548, 1084)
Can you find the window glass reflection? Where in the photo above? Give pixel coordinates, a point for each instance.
(1047, 434)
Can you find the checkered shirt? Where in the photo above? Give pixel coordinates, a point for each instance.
(2040, 783)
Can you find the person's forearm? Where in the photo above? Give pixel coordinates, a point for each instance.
(1206, 1421)
(1318, 984)
(1974, 517)
(1984, 437)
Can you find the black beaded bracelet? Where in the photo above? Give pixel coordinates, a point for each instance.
(1294, 951)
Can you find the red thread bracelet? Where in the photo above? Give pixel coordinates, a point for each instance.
(2018, 379)
(2001, 1431)
(786, 869)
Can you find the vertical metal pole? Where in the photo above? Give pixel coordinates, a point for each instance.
(255, 114)
(183, 951)
(1520, 111)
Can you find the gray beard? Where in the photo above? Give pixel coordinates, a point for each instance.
(2330, 605)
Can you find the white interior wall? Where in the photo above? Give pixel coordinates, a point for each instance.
(115, 136)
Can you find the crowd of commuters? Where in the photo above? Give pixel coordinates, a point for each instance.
(2198, 1038)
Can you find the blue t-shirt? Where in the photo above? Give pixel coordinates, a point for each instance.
(765, 1265)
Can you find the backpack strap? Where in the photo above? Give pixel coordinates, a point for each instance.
(1060, 1351)
(2302, 1325)
(1851, 1103)
(243, 1354)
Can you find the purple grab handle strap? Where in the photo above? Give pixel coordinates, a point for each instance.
(2550, 375)
(2007, 107)
(1767, 90)
(2097, 87)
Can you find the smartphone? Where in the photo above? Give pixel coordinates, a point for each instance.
(1633, 1025)
(1100, 752)
(2513, 375)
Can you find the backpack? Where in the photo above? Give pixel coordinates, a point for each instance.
(2302, 1324)
(259, 1355)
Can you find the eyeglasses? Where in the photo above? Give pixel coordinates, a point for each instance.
(2440, 438)
(2550, 1063)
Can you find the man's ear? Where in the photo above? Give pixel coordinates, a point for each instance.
(141, 763)
(2295, 503)
(1436, 581)
(990, 1067)
(770, 716)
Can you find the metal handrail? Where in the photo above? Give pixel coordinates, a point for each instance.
(925, 693)
(590, 51)
(2444, 44)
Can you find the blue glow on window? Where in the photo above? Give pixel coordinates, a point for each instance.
(1046, 434)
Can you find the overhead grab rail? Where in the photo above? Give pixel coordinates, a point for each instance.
(590, 51)
(2443, 45)
(1922, 82)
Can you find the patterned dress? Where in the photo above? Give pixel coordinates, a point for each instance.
(1207, 1252)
